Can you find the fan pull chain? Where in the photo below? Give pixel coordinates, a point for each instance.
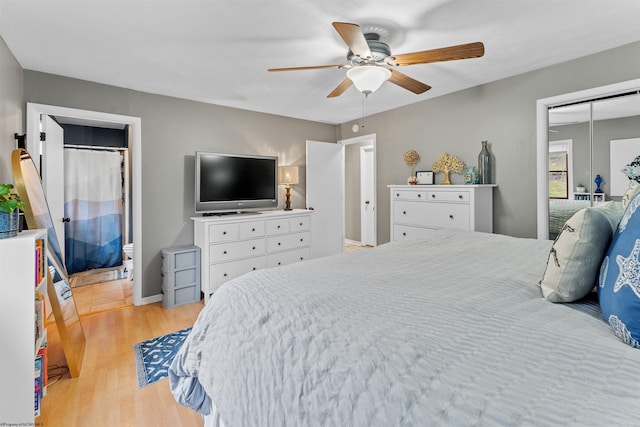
(364, 107)
(360, 126)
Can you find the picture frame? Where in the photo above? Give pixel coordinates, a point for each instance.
(425, 177)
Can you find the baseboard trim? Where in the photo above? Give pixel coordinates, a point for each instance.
(151, 299)
(352, 242)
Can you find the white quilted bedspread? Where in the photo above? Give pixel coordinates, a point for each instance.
(448, 331)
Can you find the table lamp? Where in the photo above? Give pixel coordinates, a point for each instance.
(287, 175)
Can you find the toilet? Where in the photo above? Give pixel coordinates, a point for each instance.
(128, 263)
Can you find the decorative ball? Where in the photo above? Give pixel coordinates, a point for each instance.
(411, 157)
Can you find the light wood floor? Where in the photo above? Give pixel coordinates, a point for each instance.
(103, 296)
(352, 247)
(106, 393)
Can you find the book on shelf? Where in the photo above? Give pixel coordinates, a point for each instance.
(40, 261)
(40, 318)
(38, 385)
(43, 352)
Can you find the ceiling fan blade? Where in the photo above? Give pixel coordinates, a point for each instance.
(313, 67)
(353, 37)
(451, 53)
(339, 90)
(408, 83)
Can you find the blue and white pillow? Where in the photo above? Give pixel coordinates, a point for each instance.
(619, 282)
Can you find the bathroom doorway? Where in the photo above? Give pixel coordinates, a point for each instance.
(96, 217)
(90, 119)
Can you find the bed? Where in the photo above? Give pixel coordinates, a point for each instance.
(560, 210)
(450, 330)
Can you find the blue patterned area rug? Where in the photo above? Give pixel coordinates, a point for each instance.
(154, 356)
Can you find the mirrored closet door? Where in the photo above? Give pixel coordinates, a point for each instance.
(589, 141)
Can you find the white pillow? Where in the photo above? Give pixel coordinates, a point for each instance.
(613, 211)
(576, 255)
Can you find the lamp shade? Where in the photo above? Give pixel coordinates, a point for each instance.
(288, 175)
(368, 78)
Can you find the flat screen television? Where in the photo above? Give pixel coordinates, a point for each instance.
(235, 182)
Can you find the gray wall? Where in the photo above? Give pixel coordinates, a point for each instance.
(581, 149)
(603, 132)
(11, 104)
(503, 113)
(172, 131)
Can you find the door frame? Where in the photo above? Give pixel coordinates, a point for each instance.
(372, 139)
(368, 178)
(34, 111)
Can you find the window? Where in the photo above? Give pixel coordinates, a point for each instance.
(560, 169)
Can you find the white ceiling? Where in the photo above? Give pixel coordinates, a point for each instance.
(218, 51)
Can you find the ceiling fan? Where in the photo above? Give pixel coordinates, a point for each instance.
(370, 62)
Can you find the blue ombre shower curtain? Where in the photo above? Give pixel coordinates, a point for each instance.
(93, 202)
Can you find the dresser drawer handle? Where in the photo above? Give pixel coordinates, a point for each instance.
(279, 263)
(301, 258)
(433, 196)
(224, 253)
(224, 275)
(300, 224)
(419, 195)
(404, 234)
(397, 194)
(254, 269)
(302, 240)
(404, 212)
(278, 227)
(279, 243)
(253, 229)
(224, 232)
(450, 216)
(460, 196)
(254, 248)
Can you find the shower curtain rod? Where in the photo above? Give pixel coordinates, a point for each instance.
(95, 147)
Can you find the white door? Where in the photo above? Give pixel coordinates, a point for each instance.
(325, 188)
(53, 174)
(368, 197)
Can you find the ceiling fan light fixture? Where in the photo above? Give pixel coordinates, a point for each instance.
(368, 78)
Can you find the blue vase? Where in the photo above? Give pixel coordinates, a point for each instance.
(9, 224)
(598, 181)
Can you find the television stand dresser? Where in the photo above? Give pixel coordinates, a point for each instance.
(232, 245)
(416, 209)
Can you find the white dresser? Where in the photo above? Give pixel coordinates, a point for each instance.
(232, 245)
(416, 209)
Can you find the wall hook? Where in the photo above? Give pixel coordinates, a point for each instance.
(21, 140)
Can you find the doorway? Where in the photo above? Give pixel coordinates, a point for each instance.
(98, 119)
(360, 191)
(327, 176)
